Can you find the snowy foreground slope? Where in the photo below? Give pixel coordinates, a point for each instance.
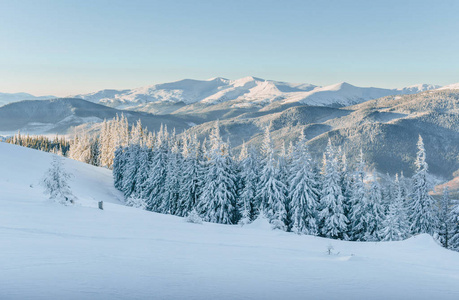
(49, 251)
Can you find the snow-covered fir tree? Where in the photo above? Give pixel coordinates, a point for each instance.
(376, 210)
(284, 162)
(106, 147)
(113, 134)
(119, 163)
(143, 169)
(303, 193)
(345, 180)
(395, 224)
(453, 242)
(153, 187)
(423, 208)
(443, 218)
(271, 192)
(217, 202)
(388, 192)
(80, 148)
(170, 197)
(56, 183)
(359, 204)
(191, 172)
(131, 170)
(333, 222)
(248, 208)
(136, 134)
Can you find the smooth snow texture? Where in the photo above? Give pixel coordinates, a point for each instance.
(50, 251)
(247, 90)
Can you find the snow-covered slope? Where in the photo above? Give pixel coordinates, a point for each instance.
(413, 89)
(345, 94)
(249, 90)
(454, 86)
(50, 251)
(21, 170)
(6, 98)
(62, 115)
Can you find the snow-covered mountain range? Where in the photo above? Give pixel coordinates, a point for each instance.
(245, 91)
(6, 98)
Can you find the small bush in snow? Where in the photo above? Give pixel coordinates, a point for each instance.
(244, 221)
(56, 184)
(136, 202)
(193, 217)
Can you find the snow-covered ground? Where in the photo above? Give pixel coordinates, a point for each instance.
(49, 251)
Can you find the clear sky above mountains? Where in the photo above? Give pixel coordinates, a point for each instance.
(68, 47)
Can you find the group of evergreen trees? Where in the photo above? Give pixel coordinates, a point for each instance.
(95, 149)
(99, 150)
(180, 175)
(58, 145)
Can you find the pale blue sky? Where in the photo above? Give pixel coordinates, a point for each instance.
(66, 47)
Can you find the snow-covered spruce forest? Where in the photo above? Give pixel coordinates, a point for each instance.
(179, 175)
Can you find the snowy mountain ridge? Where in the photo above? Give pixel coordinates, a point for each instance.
(249, 90)
(6, 98)
(454, 86)
(243, 92)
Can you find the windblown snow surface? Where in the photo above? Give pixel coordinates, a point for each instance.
(49, 251)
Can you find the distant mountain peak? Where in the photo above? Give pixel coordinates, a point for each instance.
(454, 86)
(6, 98)
(246, 91)
(217, 79)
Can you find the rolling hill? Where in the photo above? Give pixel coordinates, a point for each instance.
(61, 115)
(6, 98)
(386, 129)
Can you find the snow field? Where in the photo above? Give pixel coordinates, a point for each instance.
(50, 251)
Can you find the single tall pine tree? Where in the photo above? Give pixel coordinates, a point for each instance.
(453, 242)
(376, 211)
(444, 218)
(423, 209)
(271, 193)
(332, 219)
(395, 224)
(217, 202)
(303, 193)
(359, 204)
(248, 209)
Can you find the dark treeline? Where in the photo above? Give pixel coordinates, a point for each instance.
(58, 145)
